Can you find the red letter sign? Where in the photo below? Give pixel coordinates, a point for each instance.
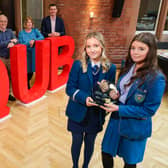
(4, 91)
(63, 59)
(18, 58)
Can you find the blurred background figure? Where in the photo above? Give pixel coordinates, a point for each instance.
(28, 36)
(52, 25)
(7, 40)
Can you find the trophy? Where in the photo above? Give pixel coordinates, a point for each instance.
(103, 92)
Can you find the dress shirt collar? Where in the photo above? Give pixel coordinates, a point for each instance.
(93, 64)
(3, 30)
(53, 17)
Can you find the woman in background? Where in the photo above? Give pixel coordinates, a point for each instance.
(85, 117)
(28, 36)
(141, 86)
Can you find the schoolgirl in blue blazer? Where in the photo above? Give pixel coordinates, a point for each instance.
(141, 86)
(85, 118)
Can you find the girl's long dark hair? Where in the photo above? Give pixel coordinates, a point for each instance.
(150, 63)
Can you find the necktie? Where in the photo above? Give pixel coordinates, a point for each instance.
(95, 69)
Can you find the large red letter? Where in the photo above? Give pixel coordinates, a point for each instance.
(63, 59)
(4, 91)
(18, 60)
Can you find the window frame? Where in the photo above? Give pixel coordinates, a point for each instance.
(156, 25)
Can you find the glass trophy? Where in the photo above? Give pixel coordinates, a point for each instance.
(103, 93)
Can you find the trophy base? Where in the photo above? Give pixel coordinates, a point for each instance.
(101, 103)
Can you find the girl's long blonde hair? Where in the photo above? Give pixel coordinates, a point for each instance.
(103, 60)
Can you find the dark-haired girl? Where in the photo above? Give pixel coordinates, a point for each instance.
(141, 86)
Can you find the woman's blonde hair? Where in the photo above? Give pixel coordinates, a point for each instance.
(26, 20)
(103, 60)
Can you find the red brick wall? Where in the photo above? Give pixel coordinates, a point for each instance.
(117, 31)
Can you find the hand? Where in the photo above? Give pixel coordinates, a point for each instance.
(31, 43)
(114, 95)
(14, 40)
(10, 45)
(103, 85)
(54, 34)
(90, 102)
(110, 107)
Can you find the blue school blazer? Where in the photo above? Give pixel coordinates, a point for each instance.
(141, 104)
(79, 87)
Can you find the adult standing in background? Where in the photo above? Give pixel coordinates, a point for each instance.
(52, 26)
(28, 36)
(7, 40)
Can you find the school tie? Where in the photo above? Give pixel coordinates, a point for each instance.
(95, 72)
(95, 69)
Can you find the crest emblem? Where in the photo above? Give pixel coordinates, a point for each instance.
(139, 98)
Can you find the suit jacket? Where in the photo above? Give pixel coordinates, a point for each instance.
(141, 104)
(46, 26)
(79, 87)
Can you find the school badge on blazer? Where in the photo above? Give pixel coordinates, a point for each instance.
(139, 98)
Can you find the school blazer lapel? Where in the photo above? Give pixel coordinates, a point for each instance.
(101, 75)
(133, 88)
(89, 73)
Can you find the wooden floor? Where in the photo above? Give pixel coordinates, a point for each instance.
(36, 137)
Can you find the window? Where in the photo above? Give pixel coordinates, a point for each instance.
(32, 8)
(148, 14)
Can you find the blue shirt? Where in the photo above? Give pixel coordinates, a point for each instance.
(5, 38)
(124, 90)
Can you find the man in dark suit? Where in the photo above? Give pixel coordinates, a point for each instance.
(52, 25)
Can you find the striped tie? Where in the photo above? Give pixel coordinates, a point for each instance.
(95, 69)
